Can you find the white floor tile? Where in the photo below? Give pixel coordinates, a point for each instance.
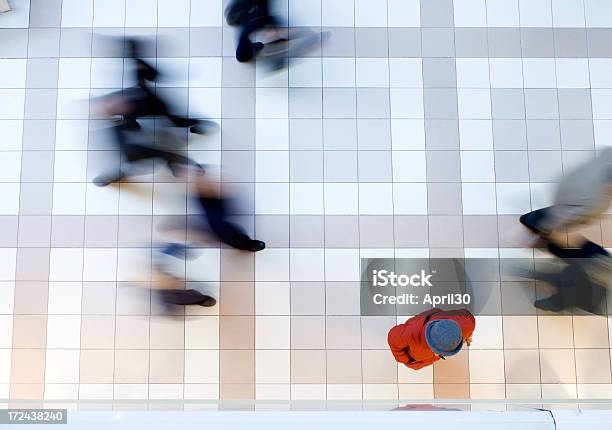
(470, 13)
(171, 13)
(77, 13)
(370, 13)
(62, 366)
(272, 298)
(535, 13)
(503, 13)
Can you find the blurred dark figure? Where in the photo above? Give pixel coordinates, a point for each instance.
(137, 102)
(252, 16)
(215, 213)
(142, 99)
(583, 195)
(580, 281)
(215, 210)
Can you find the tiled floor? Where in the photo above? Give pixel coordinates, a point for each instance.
(418, 129)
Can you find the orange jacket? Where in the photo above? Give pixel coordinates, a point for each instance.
(407, 341)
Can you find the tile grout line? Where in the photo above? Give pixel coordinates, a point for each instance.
(325, 366)
(113, 382)
(183, 381)
(77, 382)
(11, 377)
(531, 252)
(288, 122)
(154, 178)
(393, 219)
(496, 209)
(459, 115)
(358, 190)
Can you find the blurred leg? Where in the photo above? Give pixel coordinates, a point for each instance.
(246, 49)
(234, 236)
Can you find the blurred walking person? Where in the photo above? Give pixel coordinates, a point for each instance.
(214, 218)
(581, 197)
(252, 16)
(135, 103)
(255, 16)
(143, 101)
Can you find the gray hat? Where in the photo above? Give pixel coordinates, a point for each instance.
(444, 337)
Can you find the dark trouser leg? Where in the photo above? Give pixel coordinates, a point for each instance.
(153, 105)
(119, 131)
(577, 288)
(231, 234)
(246, 49)
(574, 285)
(134, 152)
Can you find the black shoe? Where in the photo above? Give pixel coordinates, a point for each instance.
(256, 245)
(552, 304)
(186, 298)
(533, 220)
(196, 129)
(208, 302)
(591, 249)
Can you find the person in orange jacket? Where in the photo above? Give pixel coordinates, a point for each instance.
(430, 336)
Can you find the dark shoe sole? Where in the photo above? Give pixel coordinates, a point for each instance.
(256, 246)
(533, 220)
(208, 302)
(548, 305)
